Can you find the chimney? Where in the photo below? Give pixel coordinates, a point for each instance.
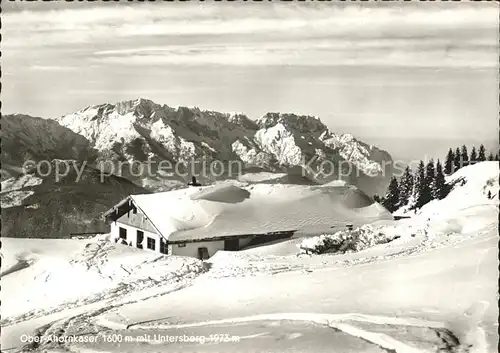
(194, 182)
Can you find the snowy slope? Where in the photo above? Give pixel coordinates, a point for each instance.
(470, 188)
(42, 274)
(471, 185)
(431, 287)
(141, 129)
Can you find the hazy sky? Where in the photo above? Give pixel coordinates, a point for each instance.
(392, 73)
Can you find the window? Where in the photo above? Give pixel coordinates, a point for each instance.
(151, 244)
(203, 253)
(123, 233)
(232, 244)
(140, 239)
(181, 245)
(163, 246)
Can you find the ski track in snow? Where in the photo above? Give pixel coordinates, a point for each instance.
(114, 298)
(94, 256)
(384, 341)
(112, 294)
(59, 328)
(115, 301)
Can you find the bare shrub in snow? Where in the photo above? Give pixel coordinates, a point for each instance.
(452, 226)
(322, 243)
(345, 240)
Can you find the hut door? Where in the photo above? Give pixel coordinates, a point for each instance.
(123, 233)
(140, 238)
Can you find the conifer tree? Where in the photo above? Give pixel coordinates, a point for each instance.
(425, 187)
(482, 154)
(391, 198)
(440, 188)
(430, 177)
(465, 156)
(496, 157)
(457, 161)
(449, 163)
(406, 186)
(419, 189)
(490, 157)
(473, 155)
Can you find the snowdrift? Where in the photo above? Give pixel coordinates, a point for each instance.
(236, 208)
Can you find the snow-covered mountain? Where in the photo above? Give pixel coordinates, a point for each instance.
(35, 206)
(138, 130)
(24, 137)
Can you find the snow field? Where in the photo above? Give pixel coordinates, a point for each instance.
(57, 271)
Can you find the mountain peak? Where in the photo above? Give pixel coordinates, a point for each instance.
(141, 106)
(300, 123)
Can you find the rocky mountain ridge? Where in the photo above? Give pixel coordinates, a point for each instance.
(121, 136)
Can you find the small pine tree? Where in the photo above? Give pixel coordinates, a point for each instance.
(376, 198)
(449, 163)
(391, 198)
(473, 155)
(406, 186)
(489, 195)
(457, 161)
(491, 157)
(465, 156)
(496, 157)
(482, 154)
(440, 188)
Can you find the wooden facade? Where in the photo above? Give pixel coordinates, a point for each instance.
(137, 219)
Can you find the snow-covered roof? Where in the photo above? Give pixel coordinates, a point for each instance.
(229, 209)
